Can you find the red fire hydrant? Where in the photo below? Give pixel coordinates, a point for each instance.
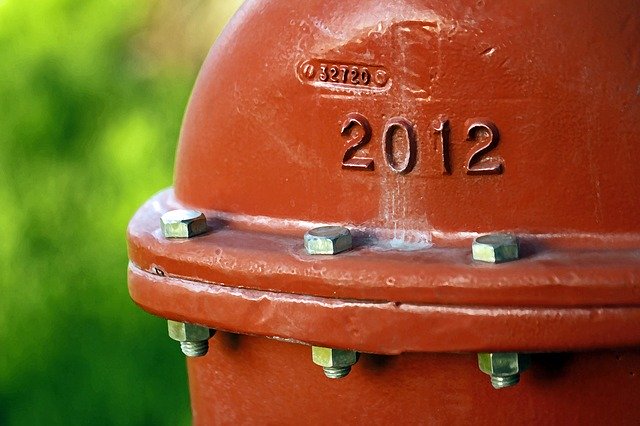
(395, 194)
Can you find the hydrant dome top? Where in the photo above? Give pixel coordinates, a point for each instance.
(433, 116)
(409, 128)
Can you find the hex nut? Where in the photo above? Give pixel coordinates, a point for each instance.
(328, 357)
(336, 363)
(503, 367)
(495, 248)
(185, 332)
(183, 223)
(327, 240)
(503, 363)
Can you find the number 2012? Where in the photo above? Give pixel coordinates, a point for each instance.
(476, 163)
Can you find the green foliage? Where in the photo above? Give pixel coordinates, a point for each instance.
(88, 129)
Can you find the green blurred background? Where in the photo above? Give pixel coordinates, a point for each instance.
(92, 94)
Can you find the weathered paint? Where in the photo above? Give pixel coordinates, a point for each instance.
(419, 125)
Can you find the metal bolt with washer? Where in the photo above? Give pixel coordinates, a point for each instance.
(194, 339)
(336, 363)
(503, 367)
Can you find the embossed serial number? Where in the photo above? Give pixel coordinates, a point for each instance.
(344, 74)
(353, 75)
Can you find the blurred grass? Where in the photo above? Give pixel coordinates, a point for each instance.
(91, 99)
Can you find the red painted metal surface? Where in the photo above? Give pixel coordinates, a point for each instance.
(419, 125)
(385, 327)
(559, 80)
(249, 380)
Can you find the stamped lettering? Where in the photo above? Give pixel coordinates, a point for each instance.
(400, 147)
(403, 127)
(440, 128)
(486, 135)
(356, 76)
(356, 139)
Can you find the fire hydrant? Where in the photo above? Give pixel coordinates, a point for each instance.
(418, 211)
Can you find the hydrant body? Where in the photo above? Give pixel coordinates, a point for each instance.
(417, 126)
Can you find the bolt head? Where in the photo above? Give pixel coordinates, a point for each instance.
(327, 240)
(185, 332)
(328, 357)
(183, 223)
(495, 248)
(502, 364)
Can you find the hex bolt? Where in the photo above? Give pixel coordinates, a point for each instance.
(194, 339)
(336, 363)
(183, 223)
(327, 240)
(495, 248)
(503, 367)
